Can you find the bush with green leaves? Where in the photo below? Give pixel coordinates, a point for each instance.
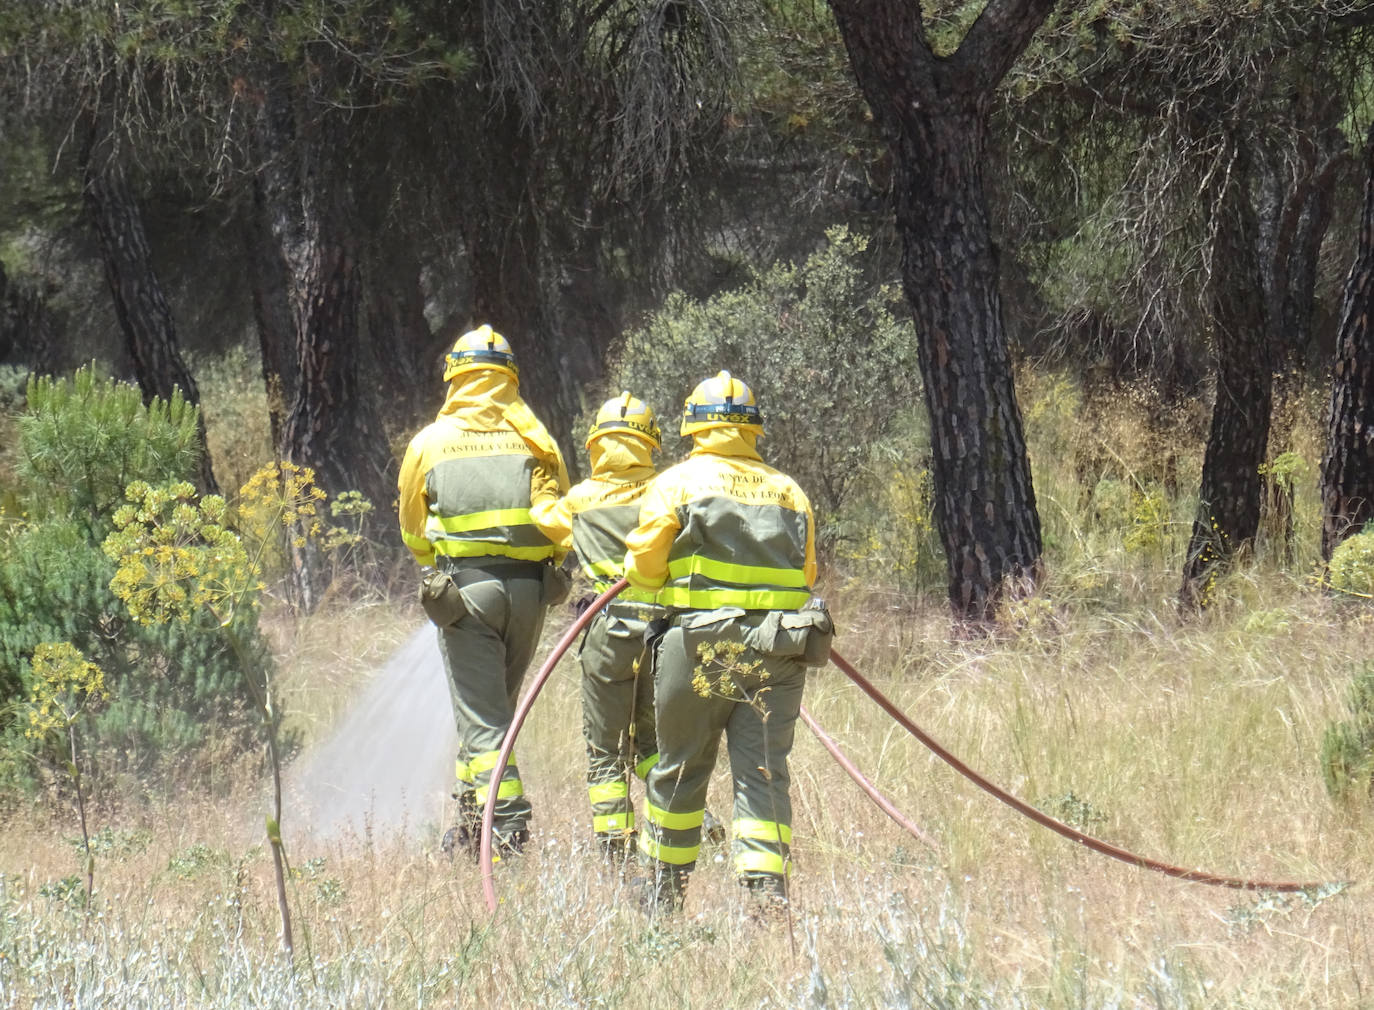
(81, 441)
(1351, 569)
(1347, 754)
(819, 344)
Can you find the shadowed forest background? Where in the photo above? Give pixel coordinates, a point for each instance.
(1059, 312)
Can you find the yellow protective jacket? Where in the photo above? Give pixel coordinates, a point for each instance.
(724, 529)
(474, 479)
(596, 515)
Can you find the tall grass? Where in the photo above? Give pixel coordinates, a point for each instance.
(1190, 740)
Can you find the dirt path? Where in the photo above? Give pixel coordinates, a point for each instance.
(388, 768)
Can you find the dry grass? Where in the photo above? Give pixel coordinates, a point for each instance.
(1194, 743)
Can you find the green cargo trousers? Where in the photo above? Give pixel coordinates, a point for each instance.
(617, 716)
(486, 655)
(709, 680)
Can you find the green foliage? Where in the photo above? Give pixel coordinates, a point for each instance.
(82, 440)
(820, 347)
(1347, 753)
(171, 688)
(236, 407)
(887, 531)
(196, 859)
(13, 381)
(1074, 811)
(69, 891)
(114, 843)
(1351, 569)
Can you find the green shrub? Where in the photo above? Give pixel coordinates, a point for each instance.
(235, 405)
(886, 532)
(1352, 565)
(80, 442)
(830, 364)
(1347, 753)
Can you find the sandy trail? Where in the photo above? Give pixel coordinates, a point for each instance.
(388, 766)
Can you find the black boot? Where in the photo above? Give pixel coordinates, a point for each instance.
(662, 891)
(504, 843)
(767, 894)
(616, 848)
(712, 830)
(466, 833)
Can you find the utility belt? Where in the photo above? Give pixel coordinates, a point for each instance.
(628, 611)
(441, 588)
(466, 571)
(803, 634)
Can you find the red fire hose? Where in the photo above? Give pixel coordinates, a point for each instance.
(1057, 826)
(863, 783)
(1097, 845)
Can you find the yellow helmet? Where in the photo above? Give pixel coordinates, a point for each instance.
(721, 401)
(626, 413)
(481, 348)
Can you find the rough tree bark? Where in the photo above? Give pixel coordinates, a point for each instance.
(933, 114)
(1229, 495)
(1347, 479)
(506, 248)
(141, 307)
(328, 425)
(404, 353)
(1295, 197)
(271, 314)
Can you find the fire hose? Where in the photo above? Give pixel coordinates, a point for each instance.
(1039, 816)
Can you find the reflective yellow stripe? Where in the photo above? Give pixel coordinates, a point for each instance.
(604, 573)
(462, 771)
(487, 548)
(642, 769)
(606, 823)
(763, 831)
(414, 542)
(746, 599)
(728, 571)
(484, 520)
(676, 855)
(671, 821)
(627, 595)
(608, 791)
(751, 861)
(508, 789)
(486, 761)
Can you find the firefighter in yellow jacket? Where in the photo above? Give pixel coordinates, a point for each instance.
(617, 688)
(471, 485)
(728, 544)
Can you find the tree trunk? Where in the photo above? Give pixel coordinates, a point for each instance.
(26, 328)
(140, 305)
(405, 356)
(328, 425)
(1229, 497)
(512, 289)
(934, 115)
(1347, 478)
(272, 314)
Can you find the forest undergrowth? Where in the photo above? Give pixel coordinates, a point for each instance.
(1192, 739)
(1194, 743)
